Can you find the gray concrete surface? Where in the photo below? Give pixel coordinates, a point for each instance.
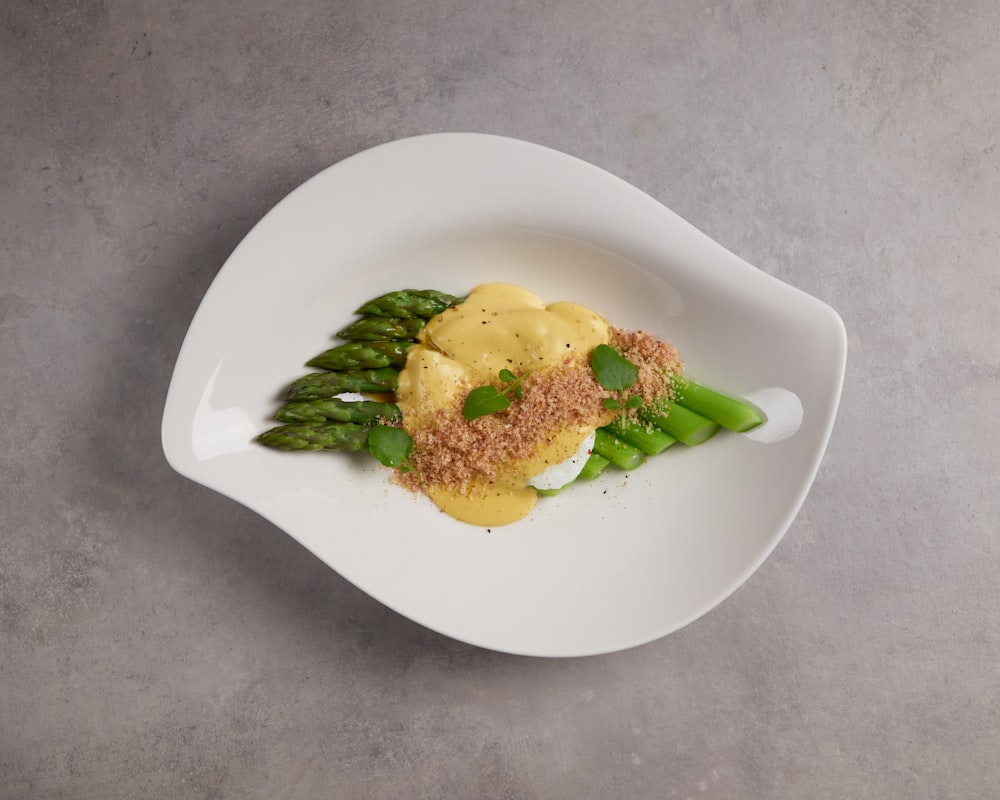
(156, 640)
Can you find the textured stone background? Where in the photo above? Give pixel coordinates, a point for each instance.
(156, 640)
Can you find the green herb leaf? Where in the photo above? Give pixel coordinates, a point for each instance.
(487, 399)
(635, 401)
(611, 404)
(482, 401)
(613, 371)
(390, 445)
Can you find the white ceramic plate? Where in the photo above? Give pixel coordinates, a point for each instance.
(605, 565)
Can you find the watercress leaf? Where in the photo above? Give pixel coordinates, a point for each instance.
(482, 401)
(612, 370)
(507, 375)
(611, 403)
(519, 391)
(390, 445)
(635, 401)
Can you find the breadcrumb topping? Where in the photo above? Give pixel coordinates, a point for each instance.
(451, 450)
(454, 452)
(656, 361)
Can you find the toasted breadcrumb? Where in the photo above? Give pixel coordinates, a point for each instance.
(452, 451)
(656, 361)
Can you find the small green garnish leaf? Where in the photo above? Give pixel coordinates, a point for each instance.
(616, 374)
(484, 400)
(390, 445)
(613, 371)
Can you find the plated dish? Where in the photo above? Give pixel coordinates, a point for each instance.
(586, 572)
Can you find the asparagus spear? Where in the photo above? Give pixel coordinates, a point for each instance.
(651, 440)
(408, 303)
(343, 436)
(683, 424)
(727, 411)
(322, 385)
(372, 329)
(619, 453)
(594, 466)
(362, 355)
(608, 449)
(337, 410)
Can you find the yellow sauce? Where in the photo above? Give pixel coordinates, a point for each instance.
(499, 326)
(489, 505)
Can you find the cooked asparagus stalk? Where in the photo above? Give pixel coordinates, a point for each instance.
(594, 466)
(651, 440)
(342, 436)
(683, 424)
(322, 385)
(373, 329)
(408, 303)
(362, 355)
(337, 410)
(619, 453)
(727, 411)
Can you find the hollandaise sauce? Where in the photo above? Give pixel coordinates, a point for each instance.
(478, 471)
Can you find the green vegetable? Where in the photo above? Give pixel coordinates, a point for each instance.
(374, 329)
(619, 453)
(726, 411)
(485, 400)
(651, 440)
(362, 355)
(392, 446)
(594, 466)
(408, 303)
(335, 409)
(370, 362)
(613, 371)
(342, 436)
(683, 424)
(616, 374)
(321, 385)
